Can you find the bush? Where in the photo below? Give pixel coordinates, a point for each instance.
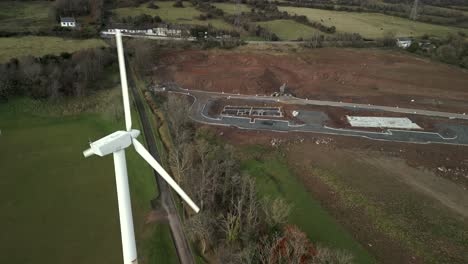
(447, 54)
(152, 5)
(179, 4)
(464, 62)
(413, 48)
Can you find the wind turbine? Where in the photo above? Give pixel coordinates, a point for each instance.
(116, 143)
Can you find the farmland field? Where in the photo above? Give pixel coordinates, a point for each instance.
(168, 13)
(389, 196)
(371, 25)
(231, 9)
(288, 29)
(21, 16)
(15, 47)
(57, 204)
(274, 179)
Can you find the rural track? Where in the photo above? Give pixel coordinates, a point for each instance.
(181, 244)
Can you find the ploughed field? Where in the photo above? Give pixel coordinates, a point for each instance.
(351, 75)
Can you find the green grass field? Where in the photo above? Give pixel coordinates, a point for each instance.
(371, 25)
(288, 29)
(15, 47)
(168, 13)
(232, 9)
(58, 205)
(274, 179)
(21, 16)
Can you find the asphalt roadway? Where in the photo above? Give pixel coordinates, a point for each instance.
(455, 134)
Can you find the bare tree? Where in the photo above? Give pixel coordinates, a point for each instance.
(231, 224)
(200, 228)
(326, 255)
(276, 211)
(177, 111)
(181, 158)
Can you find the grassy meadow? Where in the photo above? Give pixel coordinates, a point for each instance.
(288, 29)
(58, 205)
(273, 179)
(22, 16)
(232, 9)
(15, 47)
(371, 25)
(168, 13)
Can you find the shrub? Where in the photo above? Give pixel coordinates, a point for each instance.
(152, 5)
(179, 4)
(447, 53)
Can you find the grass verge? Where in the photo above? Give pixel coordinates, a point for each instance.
(275, 180)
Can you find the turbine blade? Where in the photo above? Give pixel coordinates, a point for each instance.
(147, 156)
(123, 81)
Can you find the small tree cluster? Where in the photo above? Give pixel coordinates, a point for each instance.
(140, 21)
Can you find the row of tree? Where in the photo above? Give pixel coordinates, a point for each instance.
(73, 8)
(54, 76)
(452, 50)
(235, 225)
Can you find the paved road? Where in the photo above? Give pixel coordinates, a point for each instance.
(445, 133)
(178, 235)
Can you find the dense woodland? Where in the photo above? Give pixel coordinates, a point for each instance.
(53, 76)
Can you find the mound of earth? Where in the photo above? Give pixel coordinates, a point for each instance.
(352, 75)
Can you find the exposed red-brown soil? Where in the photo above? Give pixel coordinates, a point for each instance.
(351, 75)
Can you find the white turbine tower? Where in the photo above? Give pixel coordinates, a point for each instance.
(116, 143)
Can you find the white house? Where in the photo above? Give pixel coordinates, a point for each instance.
(67, 22)
(167, 32)
(404, 42)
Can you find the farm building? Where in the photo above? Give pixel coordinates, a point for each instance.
(404, 42)
(67, 22)
(167, 32)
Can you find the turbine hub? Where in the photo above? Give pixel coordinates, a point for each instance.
(111, 143)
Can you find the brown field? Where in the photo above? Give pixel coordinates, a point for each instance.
(352, 75)
(391, 196)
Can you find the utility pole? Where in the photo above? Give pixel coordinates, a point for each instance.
(237, 21)
(414, 10)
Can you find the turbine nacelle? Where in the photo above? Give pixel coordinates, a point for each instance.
(111, 143)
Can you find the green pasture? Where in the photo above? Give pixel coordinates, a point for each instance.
(58, 206)
(23, 16)
(289, 29)
(168, 13)
(15, 47)
(232, 9)
(273, 179)
(371, 25)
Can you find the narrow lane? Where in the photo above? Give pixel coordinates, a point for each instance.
(178, 235)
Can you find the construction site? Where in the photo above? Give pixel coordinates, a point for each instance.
(379, 128)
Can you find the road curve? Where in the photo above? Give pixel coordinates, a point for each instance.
(453, 134)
